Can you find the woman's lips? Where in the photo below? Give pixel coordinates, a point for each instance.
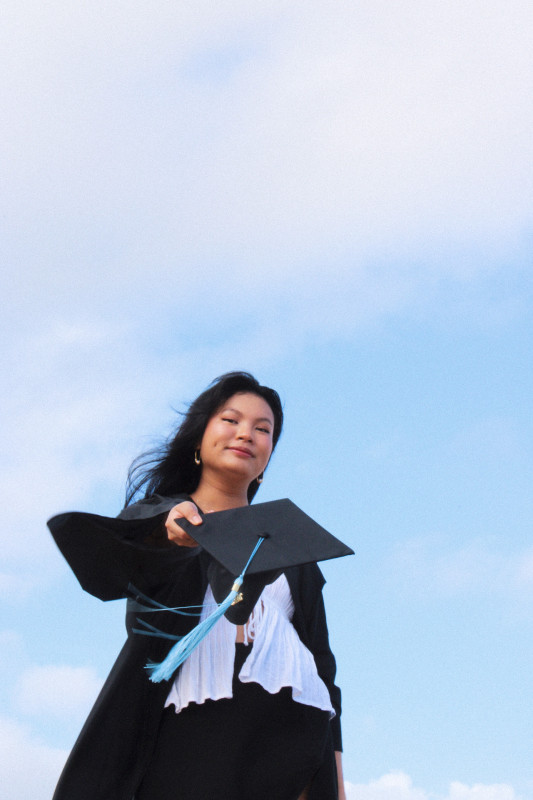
(241, 451)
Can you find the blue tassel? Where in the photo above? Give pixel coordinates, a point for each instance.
(186, 645)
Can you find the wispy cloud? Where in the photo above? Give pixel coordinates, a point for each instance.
(393, 786)
(60, 690)
(17, 587)
(20, 748)
(339, 142)
(435, 565)
(399, 786)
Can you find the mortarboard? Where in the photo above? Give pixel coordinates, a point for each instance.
(292, 538)
(246, 548)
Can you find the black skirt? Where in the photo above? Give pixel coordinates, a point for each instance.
(254, 746)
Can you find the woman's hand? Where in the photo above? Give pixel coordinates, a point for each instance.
(340, 776)
(186, 510)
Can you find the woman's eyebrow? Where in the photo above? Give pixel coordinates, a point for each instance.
(239, 413)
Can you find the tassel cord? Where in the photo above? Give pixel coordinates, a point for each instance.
(145, 609)
(185, 646)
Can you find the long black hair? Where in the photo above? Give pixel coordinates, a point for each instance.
(170, 468)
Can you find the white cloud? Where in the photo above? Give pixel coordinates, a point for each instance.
(11, 646)
(494, 439)
(340, 168)
(479, 791)
(28, 767)
(524, 570)
(435, 565)
(393, 786)
(74, 412)
(61, 691)
(399, 786)
(17, 587)
(344, 138)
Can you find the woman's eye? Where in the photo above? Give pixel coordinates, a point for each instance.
(228, 419)
(264, 430)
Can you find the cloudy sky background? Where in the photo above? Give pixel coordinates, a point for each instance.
(337, 197)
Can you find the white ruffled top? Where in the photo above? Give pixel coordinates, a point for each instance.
(277, 659)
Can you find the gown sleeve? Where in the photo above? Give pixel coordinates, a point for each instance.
(311, 624)
(327, 668)
(108, 554)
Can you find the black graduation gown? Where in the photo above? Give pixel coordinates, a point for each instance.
(110, 555)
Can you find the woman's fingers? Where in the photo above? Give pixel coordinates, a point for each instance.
(186, 510)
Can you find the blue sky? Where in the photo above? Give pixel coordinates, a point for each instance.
(337, 197)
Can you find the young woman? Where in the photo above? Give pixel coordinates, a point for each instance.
(254, 712)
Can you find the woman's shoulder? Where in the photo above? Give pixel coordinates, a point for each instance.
(151, 506)
(305, 579)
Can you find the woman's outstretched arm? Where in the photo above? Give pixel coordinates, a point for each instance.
(340, 776)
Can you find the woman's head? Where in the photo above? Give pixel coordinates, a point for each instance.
(172, 469)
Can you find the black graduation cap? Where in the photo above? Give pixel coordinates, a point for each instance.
(246, 548)
(289, 537)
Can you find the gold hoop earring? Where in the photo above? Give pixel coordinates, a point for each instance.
(197, 459)
(259, 478)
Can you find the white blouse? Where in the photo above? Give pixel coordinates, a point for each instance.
(277, 659)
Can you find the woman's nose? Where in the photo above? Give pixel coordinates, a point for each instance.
(244, 433)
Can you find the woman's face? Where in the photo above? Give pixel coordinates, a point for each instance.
(238, 437)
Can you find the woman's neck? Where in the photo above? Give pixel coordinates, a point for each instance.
(216, 498)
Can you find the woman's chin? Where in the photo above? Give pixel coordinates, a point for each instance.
(236, 472)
